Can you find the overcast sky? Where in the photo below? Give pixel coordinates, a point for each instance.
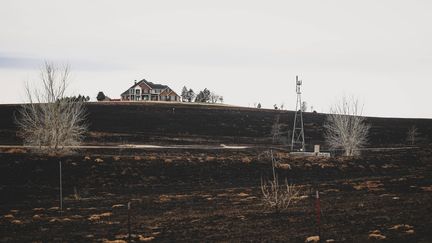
(247, 51)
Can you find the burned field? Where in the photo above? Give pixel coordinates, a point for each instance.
(162, 123)
(199, 195)
(206, 195)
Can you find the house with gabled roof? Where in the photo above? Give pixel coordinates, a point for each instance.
(148, 91)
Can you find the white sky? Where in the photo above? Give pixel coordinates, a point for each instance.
(248, 51)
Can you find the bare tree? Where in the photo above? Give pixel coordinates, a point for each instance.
(214, 98)
(345, 128)
(49, 121)
(412, 135)
(276, 129)
(304, 106)
(278, 197)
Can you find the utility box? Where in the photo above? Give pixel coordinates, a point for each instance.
(316, 153)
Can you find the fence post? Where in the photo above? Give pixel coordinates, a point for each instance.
(318, 212)
(61, 188)
(129, 223)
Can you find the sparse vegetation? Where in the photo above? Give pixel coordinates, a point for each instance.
(412, 135)
(50, 121)
(345, 128)
(278, 197)
(207, 96)
(304, 106)
(276, 130)
(187, 95)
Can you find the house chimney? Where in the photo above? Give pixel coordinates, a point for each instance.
(135, 81)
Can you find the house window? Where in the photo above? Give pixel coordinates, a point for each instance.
(137, 91)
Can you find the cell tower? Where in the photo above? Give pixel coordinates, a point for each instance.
(297, 142)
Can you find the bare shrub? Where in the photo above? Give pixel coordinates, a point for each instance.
(76, 194)
(278, 197)
(345, 128)
(412, 135)
(50, 121)
(276, 130)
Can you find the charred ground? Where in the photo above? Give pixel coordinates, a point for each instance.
(212, 195)
(121, 122)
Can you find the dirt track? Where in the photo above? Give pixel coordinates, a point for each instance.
(140, 147)
(196, 195)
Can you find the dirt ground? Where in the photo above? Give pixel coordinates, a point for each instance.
(180, 195)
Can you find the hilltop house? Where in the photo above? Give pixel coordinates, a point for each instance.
(148, 91)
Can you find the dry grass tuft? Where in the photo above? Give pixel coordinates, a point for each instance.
(77, 217)
(15, 151)
(370, 185)
(114, 241)
(314, 239)
(279, 197)
(402, 227)
(97, 217)
(107, 214)
(94, 217)
(427, 188)
(16, 222)
(145, 239)
(283, 166)
(9, 216)
(376, 235)
(118, 206)
(411, 231)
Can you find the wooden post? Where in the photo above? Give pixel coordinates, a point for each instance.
(129, 223)
(318, 212)
(61, 188)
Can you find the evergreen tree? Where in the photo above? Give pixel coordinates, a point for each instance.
(101, 96)
(190, 95)
(185, 94)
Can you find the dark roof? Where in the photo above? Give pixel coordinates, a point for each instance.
(150, 84)
(156, 86)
